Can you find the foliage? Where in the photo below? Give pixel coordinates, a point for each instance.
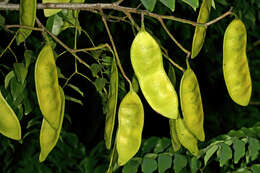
(79, 148)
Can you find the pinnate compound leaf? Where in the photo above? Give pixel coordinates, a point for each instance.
(149, 4)
(169, 3)
(164, 162)
(239, 149)
(224, 154)
(179, 162)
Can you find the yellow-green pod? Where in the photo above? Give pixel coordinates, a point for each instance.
(147, 62)
(27, 18)
(113, 160)
(130, 127)
(200, 31)
(50, 12)
(176, 145)
(9, 124)
(186, 138)
(191, 104)
(47, 86)
(235, 65)
(49, 136)
(112, 103)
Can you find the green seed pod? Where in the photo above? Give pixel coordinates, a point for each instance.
(50, 12)
(9, 124)
(111, 107)
(146, 59)
(47, 87)
(130, 127)
(176, 145)
(49, 136)
(27, 18)
(186, 138)
(191, 104)
(200, 31)
(235, 65)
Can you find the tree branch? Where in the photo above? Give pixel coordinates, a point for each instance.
(114, 48)
(96, 6)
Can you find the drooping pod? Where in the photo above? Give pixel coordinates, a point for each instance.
(49, 136)
(113, 160)
(200, 31)
(191, 104)
(9, 123)
(50, 12)
(176, 145)
(147, 62)
(186, 138)
(47, 86)
(112, 104)
(130, 127)
(27, 18)
(235, 66)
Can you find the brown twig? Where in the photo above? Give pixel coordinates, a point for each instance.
(172, 37)
(173, 63)
(22, 26)
(229, 12)
(114, 48)
(61, 43)
(132, 20)
(94, 7)
(256, 103)
(255, 44)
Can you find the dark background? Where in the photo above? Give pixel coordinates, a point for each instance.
(85, 124)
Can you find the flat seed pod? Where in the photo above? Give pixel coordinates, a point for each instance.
(112, 103)
(186, 138)
(27, 18)
(47, 87)
(235, 66)
(50, 12)
(174, 137)
(146, 59)
(191, 104)
(49, 136)
(130, 127)
(9, 124)
(200, 31)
